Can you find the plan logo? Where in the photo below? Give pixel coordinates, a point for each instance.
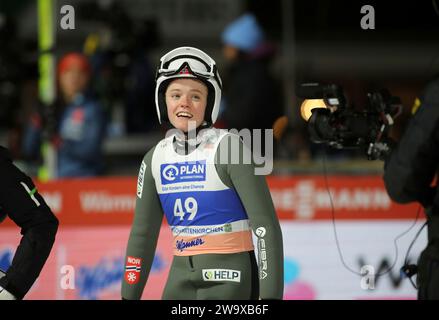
(183, 172)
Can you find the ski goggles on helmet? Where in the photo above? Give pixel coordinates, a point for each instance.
(182, 62)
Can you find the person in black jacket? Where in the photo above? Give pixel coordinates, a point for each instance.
(252, 95)
(408, 175)
(20, 201)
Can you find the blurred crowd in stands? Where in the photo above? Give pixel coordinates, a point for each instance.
(105, 90)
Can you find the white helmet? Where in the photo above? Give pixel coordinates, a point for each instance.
(188, 62)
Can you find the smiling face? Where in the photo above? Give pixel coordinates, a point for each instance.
(186, 101)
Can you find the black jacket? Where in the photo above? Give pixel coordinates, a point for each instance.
(253, 97)
(412, 166)
(25, 206)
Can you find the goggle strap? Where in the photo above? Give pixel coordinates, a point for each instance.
(166, 64)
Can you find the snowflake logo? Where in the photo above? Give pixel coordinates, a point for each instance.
(131, 277)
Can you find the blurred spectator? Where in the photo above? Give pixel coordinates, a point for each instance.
(252, 98)
(18, 71)
(291, 142)
(123, 77)
(75, 124)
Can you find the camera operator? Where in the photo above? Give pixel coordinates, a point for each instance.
(408, 175)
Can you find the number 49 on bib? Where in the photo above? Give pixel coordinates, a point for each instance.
(190, 206)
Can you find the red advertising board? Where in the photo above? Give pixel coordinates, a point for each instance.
(95, 217)
(341, 197)
(111, 201)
